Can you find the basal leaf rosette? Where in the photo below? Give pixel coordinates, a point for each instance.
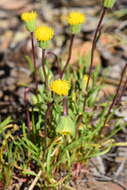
(60, 87)
(43, 35)
(66, 126)
(29, 19)
(75, 20)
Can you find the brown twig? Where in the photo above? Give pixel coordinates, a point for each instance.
(92, 51)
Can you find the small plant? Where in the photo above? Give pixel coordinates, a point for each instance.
(62, 129)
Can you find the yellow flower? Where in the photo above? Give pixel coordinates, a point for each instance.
(44, 33)
(75, 18)
(60, 87)
(29, 16)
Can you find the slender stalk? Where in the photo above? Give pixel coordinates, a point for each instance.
(65, 106)
(43, 68)
(27, 90)
(95, 38)
(34, 62)
(122, 91)
(115, 97)
(69, 55)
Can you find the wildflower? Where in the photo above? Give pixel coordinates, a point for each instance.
(29, 16)
(75, 20)
(30, 20)
(60, 87)
(66, 126)
(109, 3)
(44, 34)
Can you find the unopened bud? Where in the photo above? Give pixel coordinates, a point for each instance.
(109, 3)
(66, 126)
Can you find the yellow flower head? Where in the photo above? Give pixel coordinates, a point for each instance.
(75, 18)
(44, 33)
(60, 87)
(29, 16)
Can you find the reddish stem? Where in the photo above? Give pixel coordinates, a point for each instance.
(27, 90)
(115, 97)
(43, 68)
(34, 62)
(65, 106)
(122, 90)
(92, 51)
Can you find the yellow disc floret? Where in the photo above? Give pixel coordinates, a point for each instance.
(29, 16)
(60, 87)
(75, 18)
(44, 33)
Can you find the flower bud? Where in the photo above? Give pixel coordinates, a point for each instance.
(44, 44)
(75, 29)
(30, 26)
(66, 126)
(29, 19)
(109, 3)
